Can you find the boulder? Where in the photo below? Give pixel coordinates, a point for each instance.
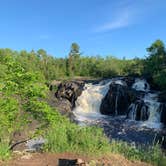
(163, 113)
(129, 81)
(117, 100)
(162, 97)
(70, 90)
(64, 106)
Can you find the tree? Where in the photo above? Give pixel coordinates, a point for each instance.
(157, 57)
(157, 47)
(73, 59)
(155, 64)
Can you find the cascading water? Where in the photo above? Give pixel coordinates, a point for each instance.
(153, 121)
(151, 102)
(131, 110)
(88, 104)
(141, 85)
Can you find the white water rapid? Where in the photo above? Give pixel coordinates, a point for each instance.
(151, 101)
(88, 104)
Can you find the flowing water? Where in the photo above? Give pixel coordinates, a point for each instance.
(87, 112)
(88, 104)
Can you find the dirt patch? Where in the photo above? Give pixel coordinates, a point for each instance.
(48, 159)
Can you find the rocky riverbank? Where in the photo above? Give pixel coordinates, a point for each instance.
(121, 99)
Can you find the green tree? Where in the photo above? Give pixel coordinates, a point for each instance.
(73, 60)
(155, 64)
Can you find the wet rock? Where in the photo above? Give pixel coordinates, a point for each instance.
(70, 91)
(117, 100)
(129, 81)
(163, 113)
(162, 97)
(138, 111)
(34, 145)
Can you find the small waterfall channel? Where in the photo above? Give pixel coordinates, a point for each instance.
(87, 108)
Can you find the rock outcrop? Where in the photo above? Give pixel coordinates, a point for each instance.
(163, 113)
(117, 100)
(122, 99)
(162, 99)
(70, 91)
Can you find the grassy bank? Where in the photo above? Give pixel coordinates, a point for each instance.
(65, 136)
(69, 137)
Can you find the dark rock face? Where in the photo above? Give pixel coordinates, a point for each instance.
(117, 100)
(162, 97)
(129, 81)
(138, 111)
(163, 113)
(70, 91)
(123, 100)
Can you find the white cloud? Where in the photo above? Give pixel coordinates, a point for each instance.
(127, 12)
(120, 21)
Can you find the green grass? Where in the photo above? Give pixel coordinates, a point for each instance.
(64, 136)
(4, 150)
(70, 137)
(91, 141)
(151, 154)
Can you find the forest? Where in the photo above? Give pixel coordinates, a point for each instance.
(24, 86)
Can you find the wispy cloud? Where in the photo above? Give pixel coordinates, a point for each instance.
(122, 20)
(125, 13)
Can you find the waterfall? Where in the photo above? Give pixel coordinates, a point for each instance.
(151, 101)
(132, 111)
(141, 85)
(88, 104)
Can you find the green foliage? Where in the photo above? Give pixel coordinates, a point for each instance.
(22, 89)
(67, 136)
(152, 154)
(72, 63)
(155, 64)
(18, 87)
(9, 112)
(4, 150)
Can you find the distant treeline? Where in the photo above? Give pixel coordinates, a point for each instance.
(76, 64)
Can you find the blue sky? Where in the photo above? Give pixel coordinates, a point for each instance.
(122, 28)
